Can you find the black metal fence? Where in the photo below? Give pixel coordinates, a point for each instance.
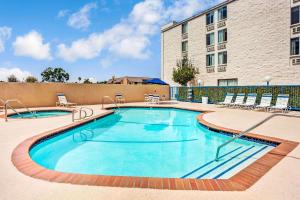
(217, 94)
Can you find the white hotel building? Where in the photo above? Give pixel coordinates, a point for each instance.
(238, 42)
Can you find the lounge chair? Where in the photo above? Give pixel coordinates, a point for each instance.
(62, 101)
(156, 99)
(238, 100)
(250, 102)
(146, 97)
(150, 98)
(281, 103)
(227, 100)
(119, 98)
(265, 102)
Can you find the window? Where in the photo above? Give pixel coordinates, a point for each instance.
(184, 46)
(295, 46)
(210, 39)
(222, 58)
(228, 82)
(210, 60)
(222, 36)
(295, 15)
(210, 18)
(184, 28)
(222, 13)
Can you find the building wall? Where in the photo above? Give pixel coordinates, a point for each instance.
(258, 44)
(44, 94)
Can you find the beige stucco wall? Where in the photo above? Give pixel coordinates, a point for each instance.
(258, 44)
(44, 94)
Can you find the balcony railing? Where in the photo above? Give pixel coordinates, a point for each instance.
(295, 60)
(210, 27)
(184, 36)
(210, 48)
(221, 23)
(210, 69)
(222, 46)
(222, 68)
(184, 54)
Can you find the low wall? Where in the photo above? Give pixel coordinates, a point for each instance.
(44, 94)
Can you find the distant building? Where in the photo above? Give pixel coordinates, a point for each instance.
(237, 42)
(127, 80)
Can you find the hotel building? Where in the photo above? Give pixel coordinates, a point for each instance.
(237, 42)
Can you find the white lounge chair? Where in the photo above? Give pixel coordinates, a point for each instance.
(281, 103)
(250, 102)
(238, 100)
(150, 98)
(119, 98)
(156, 99)
(265, 102)
(227, 100)
(62, 101)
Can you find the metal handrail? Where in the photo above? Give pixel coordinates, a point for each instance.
(250, 129)
(82, 110)
(109, 98)
(7, 105)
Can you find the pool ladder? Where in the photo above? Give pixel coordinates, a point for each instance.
(7, 105)
(109, 98)
(82, 113)
(248, 130)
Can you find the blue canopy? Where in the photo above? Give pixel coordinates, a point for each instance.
(155, 81)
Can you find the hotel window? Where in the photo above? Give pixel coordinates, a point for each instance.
(222, 58)
(222, 13)
(295, 46)
(210, 39)
(184, 28)
(210, 18)
(184, 46)
(210, 60)
(222, 36)
(295, 15)
(228, 82)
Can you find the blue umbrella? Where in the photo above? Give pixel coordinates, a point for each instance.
(155, 81)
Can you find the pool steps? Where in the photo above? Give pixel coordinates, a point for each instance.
(229, 163)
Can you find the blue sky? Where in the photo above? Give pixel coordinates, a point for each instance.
(90, 39)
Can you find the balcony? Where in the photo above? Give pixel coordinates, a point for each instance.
(184, 36)
(296, 28)
(222, 46)
(221, 23)
(210, 27)
(210, 48)
(184, 54)
(295, 60)
(210, 69)
(222, 68)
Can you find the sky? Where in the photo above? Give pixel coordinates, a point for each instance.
(89, 39)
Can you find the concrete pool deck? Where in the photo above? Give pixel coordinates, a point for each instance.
(281, 182)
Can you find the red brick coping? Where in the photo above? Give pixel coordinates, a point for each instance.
(239, 182)
(37, 110)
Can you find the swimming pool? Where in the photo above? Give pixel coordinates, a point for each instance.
(40, 114)
(146, 142)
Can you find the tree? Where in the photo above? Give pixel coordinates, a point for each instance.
(12, 78)
(184, 72)
(55, 75)
(79, 79)
(31, 79)
(87, 81)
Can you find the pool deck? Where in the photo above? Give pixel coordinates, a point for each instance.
(281, 182)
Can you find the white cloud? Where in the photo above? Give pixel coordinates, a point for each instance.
(80, 19)
(131, 36)
(5, 33)
(31, 45)
(62, 13)
(20, 74)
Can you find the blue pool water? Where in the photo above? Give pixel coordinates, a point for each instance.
(151, 142)
(40, 114)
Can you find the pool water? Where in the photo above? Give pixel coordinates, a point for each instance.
(147, 142)
(40, 114)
